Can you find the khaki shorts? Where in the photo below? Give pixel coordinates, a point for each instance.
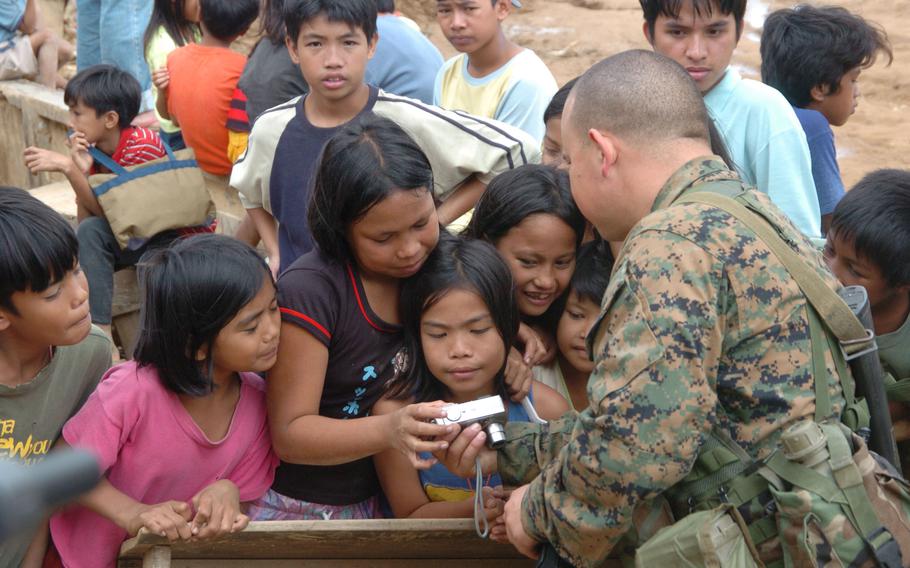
(17, 59)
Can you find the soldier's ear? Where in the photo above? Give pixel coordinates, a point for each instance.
(608, 151)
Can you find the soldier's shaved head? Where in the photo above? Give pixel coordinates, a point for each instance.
(641, 97)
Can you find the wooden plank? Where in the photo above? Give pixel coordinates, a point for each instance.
(126, 292)
(157, 557)
(58, 196)
(328, 540)
(348, 563)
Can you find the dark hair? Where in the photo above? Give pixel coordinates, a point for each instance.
(38, 246)
(272, 20)
(558, 102)
(190, 291)
(227, 19)
(105, 88)
(809, 46)
(515, 195)
(361, 165)
(385, 6)
(875, 217)
(670, 9)
(593, 266)
(356, 13)
(455, 264)
(168, 14)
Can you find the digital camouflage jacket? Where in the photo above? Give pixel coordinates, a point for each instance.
(700, 326)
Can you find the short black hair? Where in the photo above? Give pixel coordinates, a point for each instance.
(190, 291)
(514, 195)
(670, 9)
(455, 264)
(875, 217)
(809, 46)
(361, 165)
(105, 88)
(39, 246)
(593, 266)
(356, 13)
(558, 102)
(385, 6)
(227, 19)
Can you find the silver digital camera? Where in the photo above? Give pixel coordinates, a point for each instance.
(488, 411)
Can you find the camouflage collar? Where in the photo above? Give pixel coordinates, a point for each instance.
(705, 168)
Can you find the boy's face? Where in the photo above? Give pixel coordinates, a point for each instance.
(853, 269)
(702, 44)
(87, 121)
(574, 324)
(332, 56)
(469, 25)
(837, 107)
(58, 315)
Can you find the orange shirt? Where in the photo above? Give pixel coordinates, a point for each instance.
(202, 84)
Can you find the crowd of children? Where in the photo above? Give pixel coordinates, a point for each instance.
(417, 252)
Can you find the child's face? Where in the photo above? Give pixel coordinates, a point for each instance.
(58, 315)
(461, 345)
(702, 44)
(87, 121)
(249, 342)
(552, 143)
(332, 56)
(192, 11)
(469, 25)
(838, 107)
(395, 236)
(853, 269)
(540, 252)
(574, 324)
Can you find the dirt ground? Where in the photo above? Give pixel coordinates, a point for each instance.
(570, 38)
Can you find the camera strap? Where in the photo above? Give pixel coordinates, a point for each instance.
(478, 502)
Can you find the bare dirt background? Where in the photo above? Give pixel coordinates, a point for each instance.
(570, 35)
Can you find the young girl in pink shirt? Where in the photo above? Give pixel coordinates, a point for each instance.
(181, 431)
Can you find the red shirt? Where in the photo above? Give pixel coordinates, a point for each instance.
(137, 145)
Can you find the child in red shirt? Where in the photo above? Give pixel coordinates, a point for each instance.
(198, 89)
(103, 101)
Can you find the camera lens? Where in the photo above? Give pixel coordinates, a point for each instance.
(496, 435)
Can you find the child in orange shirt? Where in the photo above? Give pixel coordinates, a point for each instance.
(198, 88)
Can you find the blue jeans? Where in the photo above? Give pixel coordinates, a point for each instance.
(100, 256)
(110, 31)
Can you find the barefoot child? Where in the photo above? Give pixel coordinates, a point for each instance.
(460, 318)
(181, 432)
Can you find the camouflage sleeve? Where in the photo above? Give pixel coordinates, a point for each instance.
(652, 399)
(531, 447)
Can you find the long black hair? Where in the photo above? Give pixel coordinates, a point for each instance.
(455, 264)
(364, 163)
(169, 15)
(190, 291)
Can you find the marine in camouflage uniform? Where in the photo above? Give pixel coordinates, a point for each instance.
(701, 325)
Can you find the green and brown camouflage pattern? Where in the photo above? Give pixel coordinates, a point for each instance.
(700, 325)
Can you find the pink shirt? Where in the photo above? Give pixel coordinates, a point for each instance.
(153, 451)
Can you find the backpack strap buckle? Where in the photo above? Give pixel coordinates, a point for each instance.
(854, 348)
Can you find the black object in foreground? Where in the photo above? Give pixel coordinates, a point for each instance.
(28, 494)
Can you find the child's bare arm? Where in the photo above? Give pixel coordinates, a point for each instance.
(267, 228)
(162, 80)
(402, 487)
(31, 19)
(41, 160)
(218, 511)
(549, 404)
(37, 549)
(461, 200)
(170, 519)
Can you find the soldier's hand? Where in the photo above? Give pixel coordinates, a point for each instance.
(464, 447)
(515, 530)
